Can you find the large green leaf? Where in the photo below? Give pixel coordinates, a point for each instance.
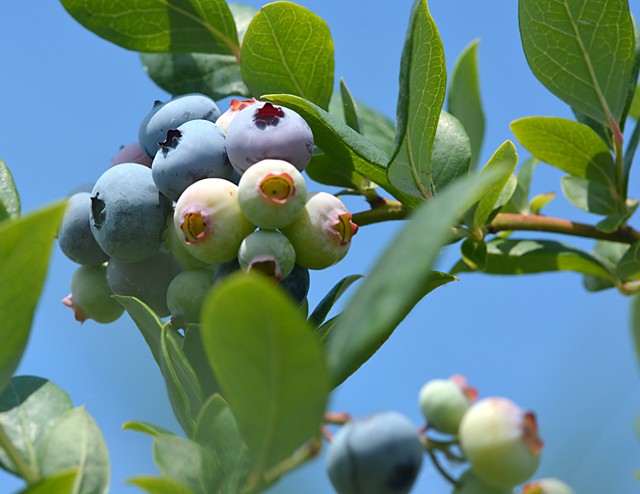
(423, 79)
(75, 441)
(288, 49)
(588, 196)
(28, 408)
(9, 198)
(570, 146)
(343, 144)
(217, 76)
(582, 51)
(512, 256)
(399, 279)
(25, 246)
(194, 351)
(204, 26)
(59, 483)
(464, 101)
(270, 364)
(217, 430)
(160, 485)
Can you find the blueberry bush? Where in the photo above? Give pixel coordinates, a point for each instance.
(207, 234)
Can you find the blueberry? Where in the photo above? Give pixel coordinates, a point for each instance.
(147, 280)
(322, 234)
(90, 296)
(235, 106)
(170, 115)
(501, 442)
(297, 283)
(444, 402)
(267, 252)
(264, 131)
(209, 222)
(128, 213)
(75, 237)
(191, 152)
(379, 454)
(131, 153)
(272, 194)
(176, 247)
(225, 269)
(186, 294)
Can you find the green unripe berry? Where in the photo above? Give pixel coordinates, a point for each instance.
(469, 483)
(90, 296)
(186, 294)
(267, 252)
(444, 402)
(501, 442)
(547, 486)
(272, 193)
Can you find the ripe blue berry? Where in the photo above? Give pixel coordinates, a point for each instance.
(190, 152)
(379, 454)
(264, 131)
(267, 252)
(75, 237)
(170, 115)
(128, 213)
(90, 296)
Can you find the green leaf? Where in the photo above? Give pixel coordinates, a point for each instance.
(588, 196)
(609, 253)
(9, 198)
(519, 202)
(325, 170)
(635, 70)
(75, 441)
(288, 49)
(617, 220)
(512, 256)
(217, 430)
(59, 483)
(186, 462)
(182, 383)
(147, 322)
(217, 76)
(204, 26)
(349, 108)
(474, 253)
(540, 201)
(423, 80)
(501, 165)
(634, 110)
(582, 51)
(464, 100)
(451, 152)
(25, 247)
(28, 408)
(399, 279)
(323, 308)
(194, 351)
(270, 365)
(160, 485)
(628, 267)
(570, 146)
(145, 428)
(343, 144)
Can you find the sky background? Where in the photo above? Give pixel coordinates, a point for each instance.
(69, 100)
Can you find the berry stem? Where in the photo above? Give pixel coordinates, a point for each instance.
(440, 468)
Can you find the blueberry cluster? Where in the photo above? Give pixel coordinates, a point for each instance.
(201, 194)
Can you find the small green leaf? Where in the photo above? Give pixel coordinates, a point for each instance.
(399, 279)
(474, 254)
(343, 144)
(186, 462)
(464, 101)
(617, 220)
(28, 408)
(504, 160)
(570, 146)
(423, 80)
(145, 428)
(634, 110)
(582, 51)
(321, 311)
(325, 170)
(59, 483)
(588, 196)
(609, 253)
(194, 351)
(512, 256)
(451, 153)
(270, 364)
(75, 441)
(539, 201)
(519, 202)
(204, 26)
(349, 107)
(217, 430)
(628, 267)
(288, 49)
(160, 485)
(9, 198)
(25, 247)
(217, 76)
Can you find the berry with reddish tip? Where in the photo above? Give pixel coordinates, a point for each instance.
(264, 131)
(90, 296)
(444, 402)
(209, 222)
(272, 194)
(322, 234)
(379, 454)
(235, 106)
(501, 442)
(547, 486)
(267, 252)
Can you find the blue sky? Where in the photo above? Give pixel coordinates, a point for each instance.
(69, 100)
